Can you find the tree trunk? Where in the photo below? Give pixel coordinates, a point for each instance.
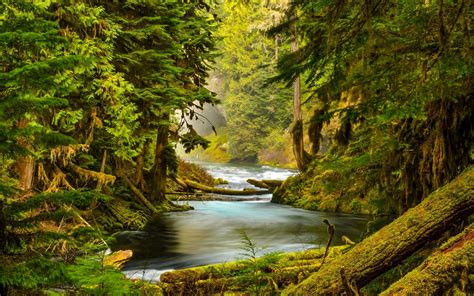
(441, 270)
(26, 164)
(3, 227)
(392, 244)
(139, 175)
(3, 236)
(25, 167)
(301, 156)
(104, 161)
(158, 185)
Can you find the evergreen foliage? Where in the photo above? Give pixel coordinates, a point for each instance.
(257, 111)
(396, 79)
(85, 88)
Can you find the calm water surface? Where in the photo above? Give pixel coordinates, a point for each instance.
(211, 233)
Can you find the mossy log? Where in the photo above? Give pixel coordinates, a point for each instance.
(218, 284)
(223, 191)
(203, 196)
(258, 183)
(201, 272)
(101, 178)
(182, 184)
(441, 270)
(273, 183)
(266, 184)
(308, 257)
(396, 241)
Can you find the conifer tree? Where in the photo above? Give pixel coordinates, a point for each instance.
(163, 49)
(397, 78)
(55, 79)
(257, 111)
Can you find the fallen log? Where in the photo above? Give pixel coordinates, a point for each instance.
(441, 270)
(229, 282)
(223, 191)
(257, 183)
(392, 244)
(101, 178)
(273, 183)
(178, 196)
(183, 184)
(302, 258)
(284, 276)
(141, 198)
(266, 184)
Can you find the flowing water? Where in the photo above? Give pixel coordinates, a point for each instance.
(212, 232)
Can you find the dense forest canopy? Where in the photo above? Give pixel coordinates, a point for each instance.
(371, 100)
(258, 114)
(394, 80)
(89, 90)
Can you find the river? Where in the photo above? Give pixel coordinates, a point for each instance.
(211, 233)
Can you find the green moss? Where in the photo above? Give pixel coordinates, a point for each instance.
(324, 189)
(444, 272)
(268, 274)
(382, 282)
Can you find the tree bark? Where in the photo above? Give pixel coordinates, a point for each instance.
(104, 161)
(158, 184)
(139, 175)
(441, 270)
(3, 236)
(25, 167)
(25, 164)
(3, 227)
(301, 156)
(141, 198)
(392, 244)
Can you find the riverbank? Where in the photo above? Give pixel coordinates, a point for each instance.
(323, 190)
